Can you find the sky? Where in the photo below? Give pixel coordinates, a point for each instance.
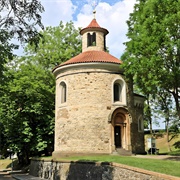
(110, 14)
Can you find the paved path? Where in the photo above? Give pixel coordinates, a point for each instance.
(5, 176)
(163, 157)
(9, 175)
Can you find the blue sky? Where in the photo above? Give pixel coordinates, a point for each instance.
(110, 14)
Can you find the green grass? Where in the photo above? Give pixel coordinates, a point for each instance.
(174, 153)
(162, 166)
(156, 165)
(5, 163)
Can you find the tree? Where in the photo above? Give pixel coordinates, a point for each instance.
(164, 108)
(27, 104)
(27, 110)
(57, 45)
(19, 20)
(152, 55)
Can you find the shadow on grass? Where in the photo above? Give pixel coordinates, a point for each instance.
(172, 153)
(173, 158)
(13, 164)
(16, 166)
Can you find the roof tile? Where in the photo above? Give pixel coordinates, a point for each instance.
(93, 56)
(93, 23)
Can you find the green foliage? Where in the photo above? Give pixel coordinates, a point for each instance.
(57, 45)
(19, 20)
(27, 108)
(27, 103)
(152, 54)
(177, 145)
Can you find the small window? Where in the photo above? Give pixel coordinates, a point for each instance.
(91, 39)
(63, 92)
(117, 92)
(140, 124)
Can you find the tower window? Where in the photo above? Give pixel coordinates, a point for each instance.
(63, 91)
(140, 124)
(105, 42)
(117, 92)
(91, 38)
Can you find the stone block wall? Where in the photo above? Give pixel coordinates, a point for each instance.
(137, 137)
(99, 42)
(54, 170)
(82, 122)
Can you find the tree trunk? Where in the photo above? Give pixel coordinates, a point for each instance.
(167, 134)
(176, 98)
(149, 114)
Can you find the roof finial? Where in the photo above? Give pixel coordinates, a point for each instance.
(94, 4)
(94, 12)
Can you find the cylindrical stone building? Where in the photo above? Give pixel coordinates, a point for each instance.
(91, 113)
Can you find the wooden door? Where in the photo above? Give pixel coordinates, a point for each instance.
(117, 136)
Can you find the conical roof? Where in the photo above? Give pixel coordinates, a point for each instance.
(94, 26)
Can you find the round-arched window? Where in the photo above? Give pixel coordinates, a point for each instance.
(63, 91)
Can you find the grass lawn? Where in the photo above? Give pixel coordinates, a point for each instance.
(161, 144)
(157, 165)
(5, 163)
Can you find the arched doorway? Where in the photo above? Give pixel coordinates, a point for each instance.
(120, 123)
(119, 130)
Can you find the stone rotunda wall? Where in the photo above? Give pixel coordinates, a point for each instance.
(82, 122)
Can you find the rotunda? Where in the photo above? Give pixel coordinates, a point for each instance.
(92, 113)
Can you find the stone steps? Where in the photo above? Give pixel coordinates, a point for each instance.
(123, 152)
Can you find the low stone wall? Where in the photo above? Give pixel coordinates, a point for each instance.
(81, 170)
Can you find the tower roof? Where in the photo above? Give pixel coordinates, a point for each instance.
(91, 57)
(92, 54)
(94, 26)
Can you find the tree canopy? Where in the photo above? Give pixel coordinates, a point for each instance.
(57, 45)
(152, 55)
(19, 20)
(28, 95)
(27, 109)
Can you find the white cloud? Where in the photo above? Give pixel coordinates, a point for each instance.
(56, 11)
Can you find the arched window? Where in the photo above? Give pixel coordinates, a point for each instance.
(117, 92)
(140, 124)
(91, 39)
(63, 91)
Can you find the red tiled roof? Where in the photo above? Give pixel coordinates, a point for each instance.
(92, 56)
(94, 25)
